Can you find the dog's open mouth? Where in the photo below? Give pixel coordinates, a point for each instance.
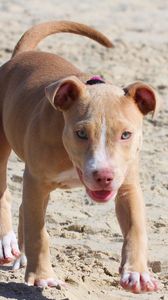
(101, 196)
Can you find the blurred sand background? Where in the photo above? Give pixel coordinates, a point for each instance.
(85, 239)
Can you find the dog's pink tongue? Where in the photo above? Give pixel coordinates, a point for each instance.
(100, 196)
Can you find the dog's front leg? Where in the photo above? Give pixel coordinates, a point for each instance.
(131, 215)
(35, 198)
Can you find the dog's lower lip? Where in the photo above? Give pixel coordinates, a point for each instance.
(101, 196)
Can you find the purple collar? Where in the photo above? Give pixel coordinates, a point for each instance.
(95, 80)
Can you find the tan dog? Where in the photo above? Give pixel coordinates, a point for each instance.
(59, 120)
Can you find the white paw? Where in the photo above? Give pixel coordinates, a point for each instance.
(138, 282)
(20, 262)
(8, 248)
(50, 282)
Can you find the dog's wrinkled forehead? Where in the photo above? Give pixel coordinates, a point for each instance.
(106, 90)
(108, 102)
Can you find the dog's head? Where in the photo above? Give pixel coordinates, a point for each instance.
(103, 130)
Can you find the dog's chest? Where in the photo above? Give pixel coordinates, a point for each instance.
(68, 179)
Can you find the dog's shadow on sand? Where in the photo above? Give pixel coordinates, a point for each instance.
(21, 291)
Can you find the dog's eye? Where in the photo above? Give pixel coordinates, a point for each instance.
(82, 134)
(126, 135)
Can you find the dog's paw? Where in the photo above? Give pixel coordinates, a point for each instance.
(9, 249)
(20, 262)
(48, 282)
(136, 282)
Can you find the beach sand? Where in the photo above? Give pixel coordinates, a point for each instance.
(85, 239)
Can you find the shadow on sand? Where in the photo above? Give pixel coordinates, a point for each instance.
(20, 291)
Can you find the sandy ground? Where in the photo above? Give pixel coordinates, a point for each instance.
(85, 238)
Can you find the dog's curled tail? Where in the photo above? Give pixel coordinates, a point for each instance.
(34, 35)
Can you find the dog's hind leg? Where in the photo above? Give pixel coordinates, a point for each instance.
(8, 243)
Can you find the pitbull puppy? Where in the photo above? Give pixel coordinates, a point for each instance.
(70, 128)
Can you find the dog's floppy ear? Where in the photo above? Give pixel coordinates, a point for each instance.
(64, 92)
(144, 96)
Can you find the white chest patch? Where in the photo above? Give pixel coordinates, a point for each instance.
(68, 179)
